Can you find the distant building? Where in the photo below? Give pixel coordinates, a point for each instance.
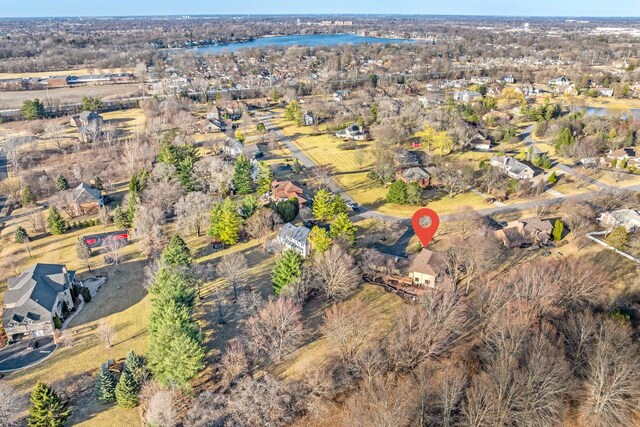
(509, 79)
(466, 95)
(627, 218)
(354, 132)
(479, 142)
(340, 95)
(284, 190)
(309, 119)
(512, 167)
(604, 91)
(86, 118)
(427, 268)
(295, 238)
(58, 81)
(560, 81)
(86, 200)
(622, 157)
(415, 175)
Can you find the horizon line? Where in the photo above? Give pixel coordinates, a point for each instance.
(203, 15)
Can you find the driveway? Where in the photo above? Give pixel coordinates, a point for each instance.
(17, 356)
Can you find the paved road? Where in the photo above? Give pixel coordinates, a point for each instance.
(4, 173)
(17, 356)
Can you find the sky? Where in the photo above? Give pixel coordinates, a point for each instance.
(564, 8)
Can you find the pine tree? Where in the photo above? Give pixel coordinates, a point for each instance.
(319, 239)
(242, 175)
(558, 228)
(28, 196)
(397, 192)
(57, 323)
(127, 391)
(61, 183)
(57, 225)
(249, 206)
(120, 218)
(339, 205)
(287, 269)
(214, 225)
(229, 223)
(265, 178)
(552, 178)
(414, 194)
(175, 356)
(323, 205)
(105, 386)
(343, 228)
(618, 237)
(21, 235)
(135, 364)
(288, 209)
(176, 254)
(47, 408)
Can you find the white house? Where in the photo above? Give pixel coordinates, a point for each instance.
(295, 238)
(627, 218)
(512, 167)
(466, 95)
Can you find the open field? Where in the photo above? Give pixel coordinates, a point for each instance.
(13, 100)
(78, 72)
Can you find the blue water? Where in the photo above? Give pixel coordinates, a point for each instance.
(300, 40)
(604, 111)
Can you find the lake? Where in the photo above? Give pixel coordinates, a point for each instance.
(311, 40)
(604, 111)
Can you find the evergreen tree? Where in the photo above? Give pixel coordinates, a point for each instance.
(91, 103)
(288, 209)
(319, 239)
(558, 228)
(57, 323)
(135, 364)
(563, 140)
(21, 235)
(214, 225)
(287, 269)
(249, 206)
(242, 175)
(176, 254)
(57, 225)
(178, 357)
(552, 178)
(127, 391)
(293, 112)
(323, 205)
(414, 194)
(339, 205)
(397, 192)
(618, 237)
(265, 178)
(47, 408)
(343, 228)
(28, 196)
(104, 388)
(120, 218)
(229, 223)
(61, 183)
(32, 109)
(97, 183)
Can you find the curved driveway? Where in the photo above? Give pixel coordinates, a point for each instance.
(17, 356)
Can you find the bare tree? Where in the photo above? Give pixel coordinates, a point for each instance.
(276, 330)
(147, 226)
(336, 273)
(11, 405)
(106, 333)
(54, 129)
(346, 328)
(233, 269)
(468, 221)
(262, 223)
(250, 303)
(111, 248)
(66, 339)
(234, 364)
(194, 213)
(384, 403)
(158, 405)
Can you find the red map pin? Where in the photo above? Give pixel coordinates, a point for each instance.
(425, 223)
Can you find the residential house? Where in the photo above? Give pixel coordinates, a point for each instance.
(354, 132)
(479, 142)
(508, 79)
(530, 231)
(512, 167)
(234, 148)
(285, 190)
(620, 158)
(627, 218)
(309, 119)
(212, 126)
(340, 95)
(427, 269)
(604, 91)
(415, 175)
(87, 118)
(86, 200)
(295, 238)
(405, 159)
(34, 298)
(560, 81)
(466, 95)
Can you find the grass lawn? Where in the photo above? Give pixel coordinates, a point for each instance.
(78, 72)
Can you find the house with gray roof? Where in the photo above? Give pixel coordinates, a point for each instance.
(512, 167)
(295, 238)
(34, 298)
(86, 200)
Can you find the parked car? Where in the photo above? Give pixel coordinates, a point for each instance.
(353, 206)
(525, 245)
(33, 345)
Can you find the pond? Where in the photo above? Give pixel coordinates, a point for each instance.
(604, 111)
(311, 40)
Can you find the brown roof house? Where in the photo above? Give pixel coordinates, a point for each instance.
(86, 200)
(284, 190)
(620, 158)
(415, 175)
(34, 298)
(532, 230)
(427, 269)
